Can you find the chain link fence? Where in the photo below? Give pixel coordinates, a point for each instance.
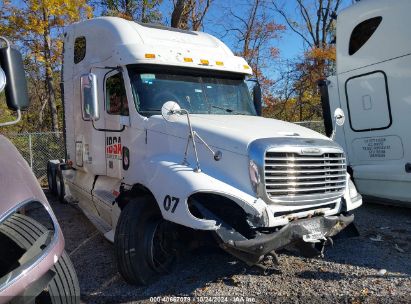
(37, 149)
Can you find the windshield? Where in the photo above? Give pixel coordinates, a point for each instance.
(225, 94)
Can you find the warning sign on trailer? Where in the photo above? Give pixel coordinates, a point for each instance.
(378, 148)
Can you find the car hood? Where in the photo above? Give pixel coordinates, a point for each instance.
(232, 132)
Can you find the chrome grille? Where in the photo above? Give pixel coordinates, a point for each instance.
(293, 175)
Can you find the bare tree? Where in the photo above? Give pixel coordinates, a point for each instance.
(317, 18)
(254, 32)
(314, 22)
(189, 14)
(137, 10)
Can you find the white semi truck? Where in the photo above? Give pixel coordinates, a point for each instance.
(163, 140)
(372, 85)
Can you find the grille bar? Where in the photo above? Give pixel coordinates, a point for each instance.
(303, 189)
(305, 171)
(323, 164)
(293, 184)
(294, 175)
(303, 158)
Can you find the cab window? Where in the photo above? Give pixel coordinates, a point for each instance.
(116, 99)
(79, 49)
(361, 33)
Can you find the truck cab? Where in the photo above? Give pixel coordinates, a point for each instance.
(371, 86)
(162, 135)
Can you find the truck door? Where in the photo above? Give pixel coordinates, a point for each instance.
(116, 119)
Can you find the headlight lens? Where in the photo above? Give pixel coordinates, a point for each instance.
(254, 175)
(352, 188)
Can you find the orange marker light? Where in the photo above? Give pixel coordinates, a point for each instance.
(150, 56)
(219, 63)
(204, 61)
(246, 67)
(188, 59)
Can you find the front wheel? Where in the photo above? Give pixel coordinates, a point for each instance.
(144, 242)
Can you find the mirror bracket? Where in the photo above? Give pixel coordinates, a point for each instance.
(169, 111)
(9, 123)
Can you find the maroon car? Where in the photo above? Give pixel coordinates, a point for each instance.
(34, 267)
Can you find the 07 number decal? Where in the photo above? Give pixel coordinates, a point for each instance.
(170, 202)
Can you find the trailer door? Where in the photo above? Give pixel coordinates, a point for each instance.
(368, 102)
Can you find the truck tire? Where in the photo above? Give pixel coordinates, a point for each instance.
(51, 177)
(60, 187)
(64, 287)
(142, 244)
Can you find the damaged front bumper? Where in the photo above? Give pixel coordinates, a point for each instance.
(302, 233)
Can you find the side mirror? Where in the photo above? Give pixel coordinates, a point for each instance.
(3, 80)
(170, 110)
(255, 90)
(14, 77)
(339, 117)
(88, 85)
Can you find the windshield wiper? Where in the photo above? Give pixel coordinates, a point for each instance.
(228, 110)
(224, 109)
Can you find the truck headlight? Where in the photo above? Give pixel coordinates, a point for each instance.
(254, 175)
(352, 189)
(352, 198)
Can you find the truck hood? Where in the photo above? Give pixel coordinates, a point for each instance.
(233, 132)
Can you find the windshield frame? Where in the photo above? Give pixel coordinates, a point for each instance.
(136, 69)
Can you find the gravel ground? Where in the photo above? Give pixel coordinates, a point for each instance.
(372, 268)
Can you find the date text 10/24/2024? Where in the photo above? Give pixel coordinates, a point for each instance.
(203, 299)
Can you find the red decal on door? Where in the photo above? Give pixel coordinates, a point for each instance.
(113, 147)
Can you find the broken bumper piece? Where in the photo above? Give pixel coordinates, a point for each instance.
(302, 233)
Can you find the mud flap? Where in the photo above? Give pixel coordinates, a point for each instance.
(302, 233)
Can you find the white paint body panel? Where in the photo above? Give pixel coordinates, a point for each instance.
(372, 86)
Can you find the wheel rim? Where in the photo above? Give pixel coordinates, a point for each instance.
(161, 253)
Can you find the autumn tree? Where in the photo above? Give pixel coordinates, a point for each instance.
(254, 33)
(314, 23)
(137, 10)
(189, 14)
(37, 26)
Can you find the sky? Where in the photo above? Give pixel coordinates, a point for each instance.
(289, 44)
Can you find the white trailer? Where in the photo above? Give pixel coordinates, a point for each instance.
(163, 140)
(372, 85)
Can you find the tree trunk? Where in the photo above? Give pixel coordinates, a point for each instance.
(51, 92)
(177, 13)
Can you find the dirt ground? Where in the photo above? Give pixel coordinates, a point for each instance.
(372, 268)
